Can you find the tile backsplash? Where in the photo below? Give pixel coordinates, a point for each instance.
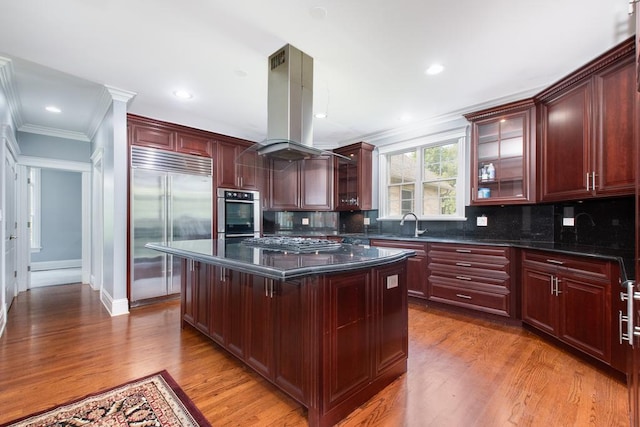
(600, 222)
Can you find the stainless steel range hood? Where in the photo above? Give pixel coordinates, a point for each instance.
(289, 110)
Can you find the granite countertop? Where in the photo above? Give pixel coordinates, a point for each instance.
(625, 257)
(273, 264)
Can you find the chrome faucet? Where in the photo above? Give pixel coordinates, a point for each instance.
(417, 232)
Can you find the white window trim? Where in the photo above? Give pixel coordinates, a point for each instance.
(36, 184)
(460, 134)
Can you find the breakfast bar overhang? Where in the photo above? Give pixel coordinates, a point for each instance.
(328, 326)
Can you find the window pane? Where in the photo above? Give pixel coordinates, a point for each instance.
(400, 199)
(439, 198)
(402, 167)
(440, 162)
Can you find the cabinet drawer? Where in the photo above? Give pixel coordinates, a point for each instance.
(459, 250)
(420, 248)
(474, 278)
(470, 298)
(581, 266)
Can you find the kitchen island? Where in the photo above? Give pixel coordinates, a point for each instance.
(328, 326)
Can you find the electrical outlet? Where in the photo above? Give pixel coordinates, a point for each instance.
(305, 221)
(481, 221)
(367, 221)
(568, 222)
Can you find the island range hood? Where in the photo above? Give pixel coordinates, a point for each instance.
(290, 108)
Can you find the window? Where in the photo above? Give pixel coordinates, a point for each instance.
(33, 185)
(425, 178)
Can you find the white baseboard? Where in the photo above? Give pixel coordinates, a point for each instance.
(55, 265)
(114, 307)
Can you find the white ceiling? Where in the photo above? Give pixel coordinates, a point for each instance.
(369, 58)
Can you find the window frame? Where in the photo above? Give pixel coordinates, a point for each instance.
(460, 136)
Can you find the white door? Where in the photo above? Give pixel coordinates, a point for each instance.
(11, 230)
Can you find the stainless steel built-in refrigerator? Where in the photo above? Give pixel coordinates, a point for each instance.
(171, 200)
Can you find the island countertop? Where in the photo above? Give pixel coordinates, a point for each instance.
(231, 253)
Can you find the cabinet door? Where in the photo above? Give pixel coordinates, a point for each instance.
(202, 288)
(259, 327)
(615, 89)
(347, 338)
(316, 180)
(218, 304)
(193, 144)
(585, 316)
(187, 303)
(539, 305)
(152, 136)
(566, 138)
(502, 170)
(284, 185)
(235, 302)
(391, 323)
(226, 165)
(290, 337)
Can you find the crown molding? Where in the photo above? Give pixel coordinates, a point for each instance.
(102, 106)
(120, 94)
(58, 133)
(10, 91)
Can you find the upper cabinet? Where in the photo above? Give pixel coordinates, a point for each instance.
(166, 136)
(301, 185)
(353, 177)
(586, 130)
(232, 173)
(502, 152)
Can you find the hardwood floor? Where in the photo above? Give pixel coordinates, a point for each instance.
(60, 344)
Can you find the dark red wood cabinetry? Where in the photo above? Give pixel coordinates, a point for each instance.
(353, 177)
(586, 130)
(475, 277)
(570, 298)
(330, 341)
(237, 168)
(503, 139)
(166, 136)
(417, 266)
(301, 185)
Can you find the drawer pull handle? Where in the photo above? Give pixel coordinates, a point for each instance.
(463, 278)
(555, 261)
(463, 264)
(463, 296)
(464, 251)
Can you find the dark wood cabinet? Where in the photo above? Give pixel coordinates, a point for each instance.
(475, 277)
(417, 266)
(353, 177)
(503, 154)
(237, 167)
(301, 185)
(586, 132)
(167, 136)
(330, 341)
(570, 298)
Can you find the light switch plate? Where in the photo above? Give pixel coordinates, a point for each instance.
(305, 221)
(367, 221)
(392, 281)
(481, 221)
(568, 222)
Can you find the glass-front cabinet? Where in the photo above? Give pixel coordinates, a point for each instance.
(353, 174)
(503, 154)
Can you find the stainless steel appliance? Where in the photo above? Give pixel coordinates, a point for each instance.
(293, 244)
(238, 213)
(171, 199)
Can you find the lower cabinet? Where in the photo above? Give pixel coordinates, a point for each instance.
(572, 299)
(330, 341)
(417, 266)
(476, 277)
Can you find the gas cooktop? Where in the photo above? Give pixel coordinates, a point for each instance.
(292, 244)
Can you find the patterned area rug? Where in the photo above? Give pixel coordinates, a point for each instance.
(153, 401)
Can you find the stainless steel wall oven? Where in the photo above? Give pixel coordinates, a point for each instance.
(238, 213)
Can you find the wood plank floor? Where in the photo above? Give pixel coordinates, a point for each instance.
(60, 344)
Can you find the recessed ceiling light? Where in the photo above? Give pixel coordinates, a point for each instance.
(183, 94)
(434, 69)
(406, 117)
(53, 109)
(320, 115)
